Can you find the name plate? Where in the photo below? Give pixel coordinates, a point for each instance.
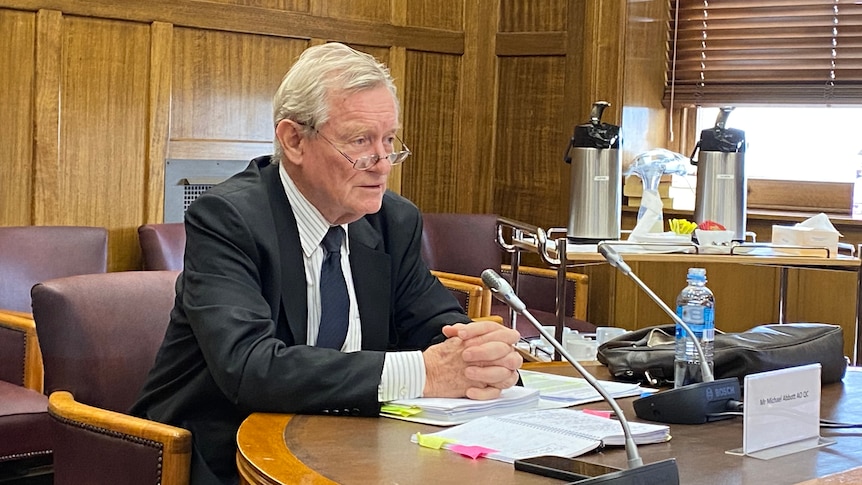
(781, 412)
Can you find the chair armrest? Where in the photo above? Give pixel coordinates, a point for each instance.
(477, 298)
(579, 281)
(19, 328)
(87, 431)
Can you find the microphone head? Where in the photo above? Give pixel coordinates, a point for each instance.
(502, 290)
(613, 257)
(492, 279)
(609, 253)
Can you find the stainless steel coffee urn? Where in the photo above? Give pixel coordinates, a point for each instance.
(595, 198)
(721, 183)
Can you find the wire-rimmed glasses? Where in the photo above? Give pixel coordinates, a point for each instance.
(368, 161)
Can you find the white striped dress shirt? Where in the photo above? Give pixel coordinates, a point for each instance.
(403, 372)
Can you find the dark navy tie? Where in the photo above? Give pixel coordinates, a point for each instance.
(334, 302)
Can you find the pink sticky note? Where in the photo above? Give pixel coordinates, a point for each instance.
(601, 414)
(471, 451)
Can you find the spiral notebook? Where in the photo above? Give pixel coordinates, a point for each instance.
(558, 432)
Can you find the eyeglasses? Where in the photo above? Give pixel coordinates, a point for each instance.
(368, 161)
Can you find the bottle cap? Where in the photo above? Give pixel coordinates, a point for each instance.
(697, 273)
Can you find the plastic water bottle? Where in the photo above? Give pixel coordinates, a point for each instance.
(695, 305)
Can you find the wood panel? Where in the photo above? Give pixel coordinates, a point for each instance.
(451, 16)
(431, 177)
(354, 10)
(17, 66)
(161, 44)
(530, 141)
(103, 130)
(263, 21)
(46, 124)
(478, 92)
(223, 83)
(548, 15)
(287, 5)
(834, 197)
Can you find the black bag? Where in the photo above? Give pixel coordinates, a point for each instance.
(647, 355)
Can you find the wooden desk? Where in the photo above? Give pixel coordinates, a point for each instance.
(282, 449)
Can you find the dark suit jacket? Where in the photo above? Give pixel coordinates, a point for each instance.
(236, 341)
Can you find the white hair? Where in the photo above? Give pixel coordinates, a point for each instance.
(319, 71)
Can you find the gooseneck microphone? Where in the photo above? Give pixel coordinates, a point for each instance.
(660, 472)
(691, 404)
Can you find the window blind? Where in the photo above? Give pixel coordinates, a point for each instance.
(755, 52)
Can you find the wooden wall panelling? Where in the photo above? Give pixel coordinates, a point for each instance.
(17, 65)
(223, 84)
(450, 15)
(530, 140)
(476, 158)
(288, 5)
(261, 21)
(545, 16)
(603, 52)
(46, 126)
(103, 131)
(431, 175)
(397, 63)
(87, 170)
(371, 10)
(161, 44)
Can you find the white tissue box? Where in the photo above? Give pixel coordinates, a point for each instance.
(807, 237)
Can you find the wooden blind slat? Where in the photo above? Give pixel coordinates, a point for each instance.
(782, 50)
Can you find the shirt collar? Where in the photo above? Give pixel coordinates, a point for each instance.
(311, 224)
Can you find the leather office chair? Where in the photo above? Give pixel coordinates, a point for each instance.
(162, 245)
(100, 335)
(30, 254)
(461, 246)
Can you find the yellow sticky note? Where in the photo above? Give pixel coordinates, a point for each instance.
(434, 442)
(397, 410)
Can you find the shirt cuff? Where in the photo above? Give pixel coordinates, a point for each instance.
(403, 376)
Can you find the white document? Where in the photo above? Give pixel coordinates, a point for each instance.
(573, 391)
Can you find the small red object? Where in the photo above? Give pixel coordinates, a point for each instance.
(711, 226)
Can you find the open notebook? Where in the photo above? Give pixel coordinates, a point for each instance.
(558, 432)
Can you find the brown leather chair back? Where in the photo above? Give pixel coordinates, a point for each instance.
(30, 254)
(100, 333)
(460, 243)
(162, 245)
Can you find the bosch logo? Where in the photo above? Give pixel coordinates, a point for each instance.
(720, 392)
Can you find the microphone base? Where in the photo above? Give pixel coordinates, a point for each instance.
(579, 472)
(692, 404)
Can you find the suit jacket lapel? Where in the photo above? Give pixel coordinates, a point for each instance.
(293, 298)
(372, 277)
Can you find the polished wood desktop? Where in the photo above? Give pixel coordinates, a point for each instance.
(282, 449)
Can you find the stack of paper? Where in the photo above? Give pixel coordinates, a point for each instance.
(450, 411)
(573, 391)
(558, 432)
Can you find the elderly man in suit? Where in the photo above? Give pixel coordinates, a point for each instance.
(303, 289)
